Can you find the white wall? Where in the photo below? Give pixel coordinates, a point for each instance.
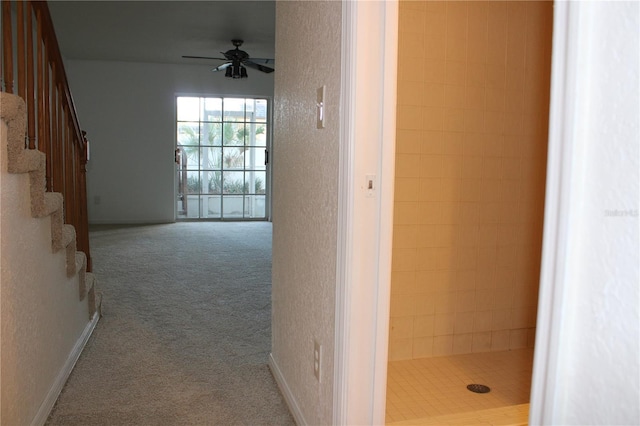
(587, 360)
(305, 196)
(128, 111)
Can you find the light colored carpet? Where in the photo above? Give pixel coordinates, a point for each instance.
(185, 333)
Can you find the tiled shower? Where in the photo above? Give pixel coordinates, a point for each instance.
(472, 117)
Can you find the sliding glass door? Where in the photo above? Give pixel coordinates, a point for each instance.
(222, 158)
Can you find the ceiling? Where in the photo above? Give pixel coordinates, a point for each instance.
(162, 31)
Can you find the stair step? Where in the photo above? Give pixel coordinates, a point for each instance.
(51, 203)
(81, 269)
(95, 300)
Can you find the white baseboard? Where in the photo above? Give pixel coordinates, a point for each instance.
(63, 375)
(286, 392)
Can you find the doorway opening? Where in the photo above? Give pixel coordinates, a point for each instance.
(222, 153)
(469, 206)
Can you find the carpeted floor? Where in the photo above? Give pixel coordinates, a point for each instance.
(185, 333)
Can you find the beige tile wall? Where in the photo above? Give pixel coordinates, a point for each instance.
(473, 85)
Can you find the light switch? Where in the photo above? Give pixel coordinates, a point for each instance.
(320, 112)
(370, 186)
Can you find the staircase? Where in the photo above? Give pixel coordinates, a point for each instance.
(43, 204)
(48, 301)
(49, 306)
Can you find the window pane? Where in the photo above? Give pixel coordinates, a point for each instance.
(233, 183)
(193, 182)
(255, 182)
(256, 134)
(212, 134)
(254, 159)
(257, 110)
(190, 158)
(210, 158)
(188, 109)
(233, 206)
(255, 206)
(188, 134)
(233, 109)
(192, 206)
(212, 182)
(211, 206)
(233, 158)
(212, 109)
(233, 134)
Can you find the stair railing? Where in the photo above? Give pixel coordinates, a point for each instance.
(32, 68)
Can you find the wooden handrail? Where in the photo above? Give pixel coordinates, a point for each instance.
(52, 123)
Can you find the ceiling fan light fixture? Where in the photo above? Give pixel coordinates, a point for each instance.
(243, 72)
(228, 72)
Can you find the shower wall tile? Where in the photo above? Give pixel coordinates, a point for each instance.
(473, 95)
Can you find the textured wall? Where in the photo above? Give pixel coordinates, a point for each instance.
(305, 183)
(598, 349)
(41, 315)
(473, 102)
(128, 110)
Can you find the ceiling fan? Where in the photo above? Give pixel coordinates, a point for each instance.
(238, 60)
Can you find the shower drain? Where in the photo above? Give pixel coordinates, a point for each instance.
(478, 388)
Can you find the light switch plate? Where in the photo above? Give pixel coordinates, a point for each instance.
(320, 108)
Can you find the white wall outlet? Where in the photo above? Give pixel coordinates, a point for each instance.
(317, 356)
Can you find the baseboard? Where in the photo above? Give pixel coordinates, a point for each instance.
(63, 375)
(286, 392)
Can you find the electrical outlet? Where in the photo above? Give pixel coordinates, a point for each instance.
(317, 356)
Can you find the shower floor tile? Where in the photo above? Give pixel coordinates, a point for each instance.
(431, 387)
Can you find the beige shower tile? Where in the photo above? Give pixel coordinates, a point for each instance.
(454, 119)
(443, 345)
(455, 72)
(482, 321)
(424, 326)
(402, 305)
(484, 299)
(481, 342)
(408, 141)
(405, 236)
(425, 303)
(462, 343)
(403, 282)
(474, 143)
(444, 324)
(400, 349)
(423, 347)
(406, 189)
(432, 118)
(518, 338)
(401, 327)
(404, 259)
(464, 323)
(466, 301)
(500, 340)
(407, 166)
(405, 213)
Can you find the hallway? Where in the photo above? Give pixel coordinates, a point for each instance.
(186, 329)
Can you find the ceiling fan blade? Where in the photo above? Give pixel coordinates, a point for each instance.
(263, 61)
(221, 67)
(204, 57)
(259, 67)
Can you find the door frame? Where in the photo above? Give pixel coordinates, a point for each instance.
(365, 224)
(365, 218)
